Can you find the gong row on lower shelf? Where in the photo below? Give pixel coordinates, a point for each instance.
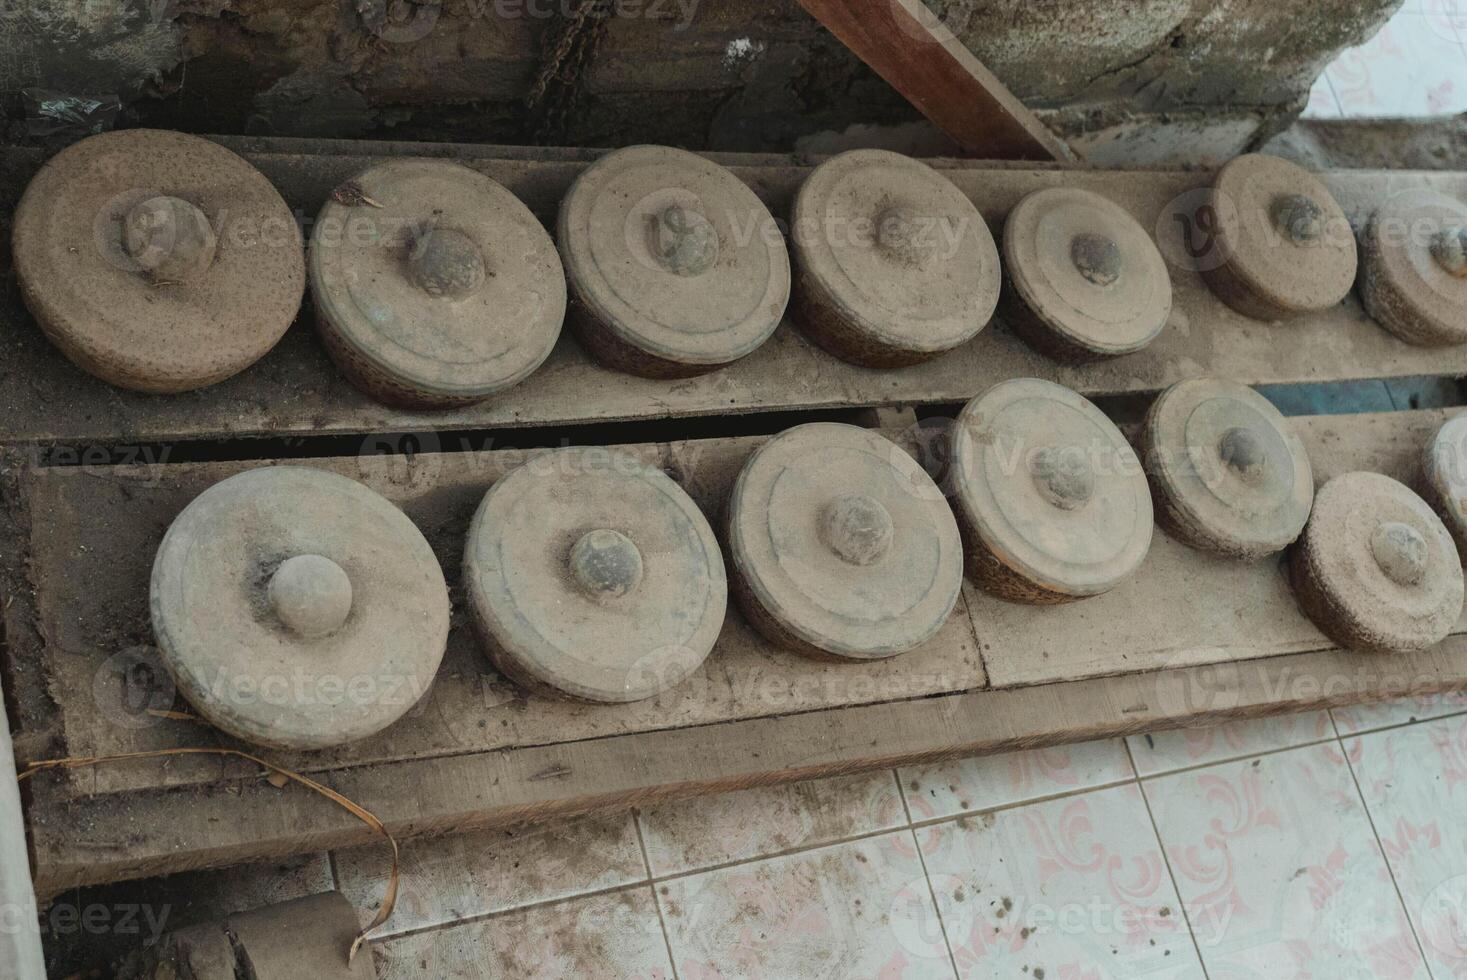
(593, 575)
(164, 262)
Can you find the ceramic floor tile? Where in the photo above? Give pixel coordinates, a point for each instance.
(711, 830)
(1280, 871)
(466, 875)
(1181, 749)
(1415, 66)
(613, 936)
(987, 782)
(1414, 781)
(1384, 714)
(1072, 887)
(848, 911)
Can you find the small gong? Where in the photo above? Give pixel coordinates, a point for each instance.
(1051, 499)
(1085, 279)
(298, 609)
(1413, 277)
(894, 265)
(675, 267)
(1375, 569)
(157, 261)
(1281, 246)
(1444, 478)
(594, 575)
(434, 286)
(841, 544)
(1227, 473)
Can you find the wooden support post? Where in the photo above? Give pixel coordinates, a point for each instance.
(20, 937)
(906, 44)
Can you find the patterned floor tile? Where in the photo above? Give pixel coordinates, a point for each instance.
(1322, 102)
(468, 875)
(1402, 711)
(966, 785)
(1165, 751)
(1280, 871)
(1069, 888)
(1414, 781)
(712, 830)
(1416, 66)
(614, 936)
(861, 909)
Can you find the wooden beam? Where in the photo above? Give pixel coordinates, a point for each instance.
(908, 45)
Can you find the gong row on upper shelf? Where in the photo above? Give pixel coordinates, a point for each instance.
(591, 573)
(163, 262)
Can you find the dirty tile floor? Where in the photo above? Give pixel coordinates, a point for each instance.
(1324, 845)
(1416, 66)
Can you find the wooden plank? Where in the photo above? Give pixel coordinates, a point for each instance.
(296, 391)
(20, 936)
(906, 43)
(103, 670)
(97, 839)
(1185, 607)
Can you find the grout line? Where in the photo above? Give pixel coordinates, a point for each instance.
(1016, 804)
(656, 902)
(1395, 885)
(1171, 875)
(926, 875)
(544, 903)
(1241, 758)
(1395, 725)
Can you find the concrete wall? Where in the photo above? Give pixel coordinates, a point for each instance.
(726, 74)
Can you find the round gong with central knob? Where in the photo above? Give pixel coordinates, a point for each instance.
(157, 261)
(676, 268)
(1376, 569)
(593, 575)
(434, 286)
(1280, 245)
(1085, 279)
(1413, 277)
(1444, 478)
(1051, 500)
(298, 609)
(894, 264)
(1227, 473)
(841, 544)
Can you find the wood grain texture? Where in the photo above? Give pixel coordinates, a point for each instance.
(296, 390)
(905, 43)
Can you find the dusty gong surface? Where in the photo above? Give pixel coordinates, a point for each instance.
(1283, 247)
(1228, 473)
(675, 266)
(1375, 568)
(298, 609)
(1052, 501)
(1414, 275)
(436, 282)
(157, 261)
(1444, 478)
(895, 264)
(1090, 279)
(595, 575)
(843, 541)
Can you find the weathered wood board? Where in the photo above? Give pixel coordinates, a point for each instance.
(1186, 607)
(104, 672)
(108, 838)
(1183, 608)
(296, 391)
